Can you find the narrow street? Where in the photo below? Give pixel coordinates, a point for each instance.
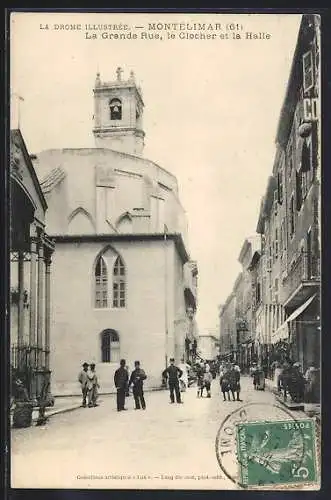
(167, 218)
(165, 440)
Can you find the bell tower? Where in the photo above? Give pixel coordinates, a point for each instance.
(118, 111)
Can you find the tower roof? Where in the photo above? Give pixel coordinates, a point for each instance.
(118, 83)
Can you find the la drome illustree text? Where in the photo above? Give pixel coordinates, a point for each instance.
(159, 31)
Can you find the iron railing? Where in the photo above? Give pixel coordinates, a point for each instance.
(28, 356)
(305, 269)
(28, 363)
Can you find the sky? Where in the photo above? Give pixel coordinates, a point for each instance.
(211, 111)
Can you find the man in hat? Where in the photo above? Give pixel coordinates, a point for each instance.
(82, 379)
(92, 386)
(137, 380)
(121, 378)
(173, 373)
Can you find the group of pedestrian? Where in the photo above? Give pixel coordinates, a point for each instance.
(173, 375)
(230, 382)
(123, 383)
(289, 379)
(89, 385)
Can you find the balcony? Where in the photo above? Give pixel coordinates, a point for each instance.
(302, 281)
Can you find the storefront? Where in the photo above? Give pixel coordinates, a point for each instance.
(301, 330)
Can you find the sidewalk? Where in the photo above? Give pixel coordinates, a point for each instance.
(309, 409)
(65, 404)
(61, 405)
(68, 403)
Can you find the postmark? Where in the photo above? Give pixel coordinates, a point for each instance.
(263, 446)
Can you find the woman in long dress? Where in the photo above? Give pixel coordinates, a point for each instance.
(183, 381)
(278, 370)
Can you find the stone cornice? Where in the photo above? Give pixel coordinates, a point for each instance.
(107, 238)
(118, 130)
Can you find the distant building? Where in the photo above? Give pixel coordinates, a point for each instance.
(245, 324)
(259, 307)
(236, 315)
(208, 345)
(228, 330)
(123, 283)
(270, 310)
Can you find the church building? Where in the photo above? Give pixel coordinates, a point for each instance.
(123, 284)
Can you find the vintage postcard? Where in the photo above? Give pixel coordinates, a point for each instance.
(165, 247)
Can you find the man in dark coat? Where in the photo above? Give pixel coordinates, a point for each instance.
(137, 380)
(121, 378)
(173, 373)
(234, 382)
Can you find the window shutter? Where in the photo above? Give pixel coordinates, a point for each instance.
(298, 189)
(314, 145)
(291, 219)
(280, 188)
(305, 157)
(308, 71)
(275, 203)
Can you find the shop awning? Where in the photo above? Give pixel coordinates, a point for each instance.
(282, 332)
(300, 309)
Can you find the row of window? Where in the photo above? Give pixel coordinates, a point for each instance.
(304, 177)
(309, 266)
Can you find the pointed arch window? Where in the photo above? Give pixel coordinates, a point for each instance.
(115, 107)
(119, 298)
(101, 283)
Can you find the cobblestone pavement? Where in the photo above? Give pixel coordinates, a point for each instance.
(164, 441)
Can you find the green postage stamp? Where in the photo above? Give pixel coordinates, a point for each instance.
(277, 452)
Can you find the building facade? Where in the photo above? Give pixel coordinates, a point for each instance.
(123, 285)
(246, 324)
(208, 346)
(238, 315)
(299, 167)
(228, 328)
(30, 273)
(285, 273)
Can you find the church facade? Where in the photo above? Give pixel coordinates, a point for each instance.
(123, 284)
